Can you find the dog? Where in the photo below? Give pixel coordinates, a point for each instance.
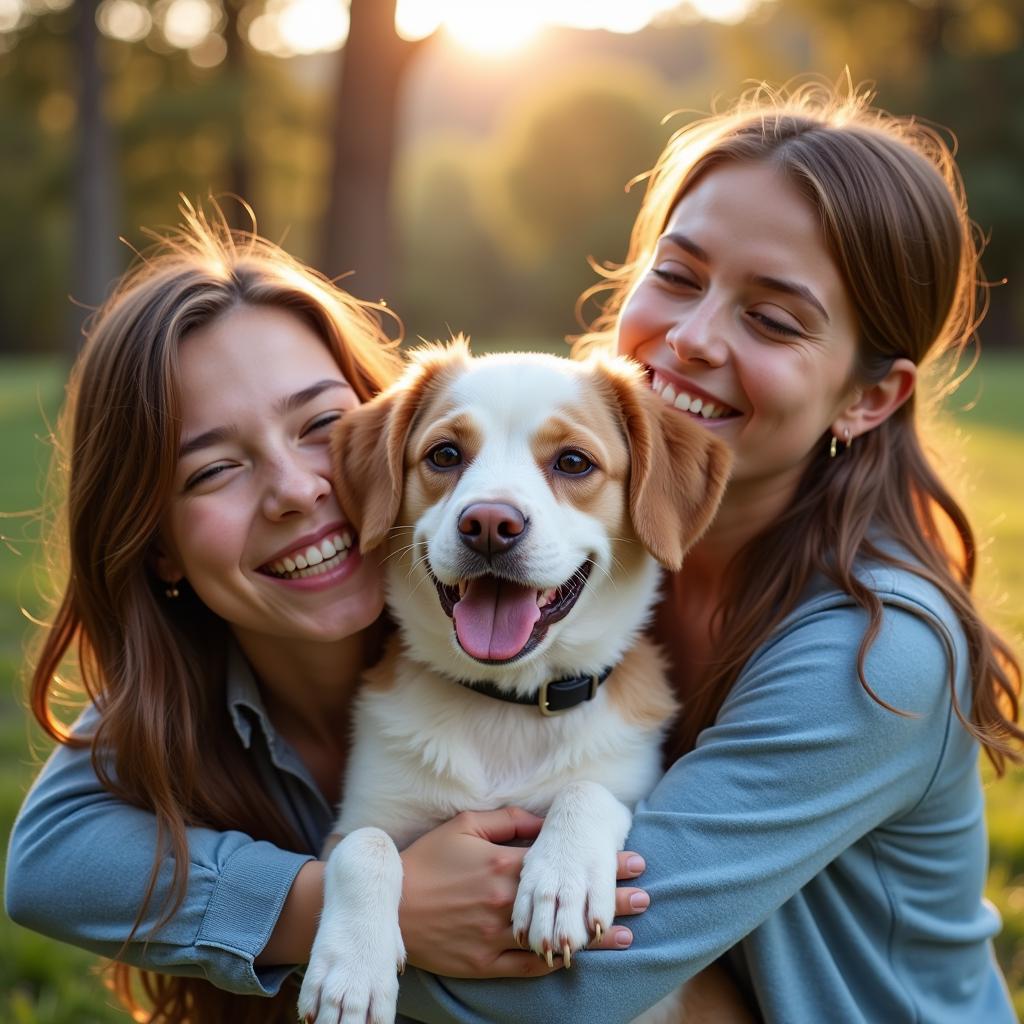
(527, 505)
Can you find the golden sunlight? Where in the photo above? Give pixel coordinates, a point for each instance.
(492, 30)
(491, 27)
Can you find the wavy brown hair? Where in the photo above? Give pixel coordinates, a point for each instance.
(153, 668)
(894, 218)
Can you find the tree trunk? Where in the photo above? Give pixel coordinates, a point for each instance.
(239, 180)
(358, 231)
(94, 251)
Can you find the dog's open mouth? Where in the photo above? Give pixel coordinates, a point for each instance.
(498, 620)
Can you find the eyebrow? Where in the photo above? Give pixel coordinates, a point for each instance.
(285, 405)
(792, 288)
(777, 284)
(687, 243)
(292, 402)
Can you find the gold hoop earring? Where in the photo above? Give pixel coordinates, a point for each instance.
(833, 448)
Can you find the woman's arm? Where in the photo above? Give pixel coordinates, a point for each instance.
(800, 765)
(80, 859)
(79, 862)
(458, 888)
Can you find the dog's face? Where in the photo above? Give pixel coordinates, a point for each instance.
(522, 499)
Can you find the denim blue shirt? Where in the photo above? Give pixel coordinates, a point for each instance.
(833, 850)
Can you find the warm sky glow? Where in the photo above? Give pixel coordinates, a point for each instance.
(497, 26)
(288, 28)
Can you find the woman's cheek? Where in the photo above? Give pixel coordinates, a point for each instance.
(210, 537)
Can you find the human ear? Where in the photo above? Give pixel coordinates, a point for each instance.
(877, 402)
(166, 563)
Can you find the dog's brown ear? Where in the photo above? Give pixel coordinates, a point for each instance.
(368, 446)
(678, 470)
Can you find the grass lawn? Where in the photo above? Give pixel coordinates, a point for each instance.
(42, 982)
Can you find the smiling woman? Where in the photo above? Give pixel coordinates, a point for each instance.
(221, 613)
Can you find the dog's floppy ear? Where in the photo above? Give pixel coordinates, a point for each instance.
(678, 470)
(368, 446)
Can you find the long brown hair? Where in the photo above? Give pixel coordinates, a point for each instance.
(894, 217)
(154, 668)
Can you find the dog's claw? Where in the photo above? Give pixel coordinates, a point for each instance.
(566, 956)
(550, 957)
(598, 931)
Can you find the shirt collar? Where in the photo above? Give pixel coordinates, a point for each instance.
(245, 702)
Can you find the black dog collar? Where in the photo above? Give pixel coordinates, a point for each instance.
(554, 697)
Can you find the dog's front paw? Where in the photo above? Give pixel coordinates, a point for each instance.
(347, 984)
(567, 886)
(352, 977)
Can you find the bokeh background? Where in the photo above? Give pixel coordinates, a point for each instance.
(463, 160)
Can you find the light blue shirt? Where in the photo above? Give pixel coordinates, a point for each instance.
(835, 851)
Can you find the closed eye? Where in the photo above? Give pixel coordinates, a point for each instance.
(321, 422)
(672, 278)
(774, 326)
(207, 474)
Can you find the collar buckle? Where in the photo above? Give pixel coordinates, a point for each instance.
(544, 701)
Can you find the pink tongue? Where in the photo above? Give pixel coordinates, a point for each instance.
(495, 618)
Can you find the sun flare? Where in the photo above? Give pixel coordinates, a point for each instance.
(488, 29)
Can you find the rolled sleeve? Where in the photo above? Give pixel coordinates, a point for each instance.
(79, 864)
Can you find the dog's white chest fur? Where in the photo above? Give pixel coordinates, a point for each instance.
(524, 504)
(425, 749)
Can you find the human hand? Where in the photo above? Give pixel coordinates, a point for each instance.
(458, 892)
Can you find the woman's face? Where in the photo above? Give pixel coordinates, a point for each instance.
(253, 523)
(744, 321)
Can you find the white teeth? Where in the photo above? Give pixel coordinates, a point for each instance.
(546, 597)
(463, 587)
(301, 569)
(686, 403)
(314, 555)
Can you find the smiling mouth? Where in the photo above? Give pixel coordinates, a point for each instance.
(313, 559)
(695, 405)
(498, 620)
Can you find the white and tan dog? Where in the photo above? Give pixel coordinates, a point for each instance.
(526, 503)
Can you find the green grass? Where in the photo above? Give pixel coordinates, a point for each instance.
(43, 982)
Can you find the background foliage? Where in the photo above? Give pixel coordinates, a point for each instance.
(508, 173)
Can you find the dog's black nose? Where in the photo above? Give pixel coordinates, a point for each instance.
(491, 527)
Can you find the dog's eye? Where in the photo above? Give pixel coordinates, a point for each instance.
(444, 456)
(573, 463)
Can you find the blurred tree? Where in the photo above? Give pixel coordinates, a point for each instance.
(557, 192)
(453, 273)
(239, 176)
(358, 228)
(94, 261)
